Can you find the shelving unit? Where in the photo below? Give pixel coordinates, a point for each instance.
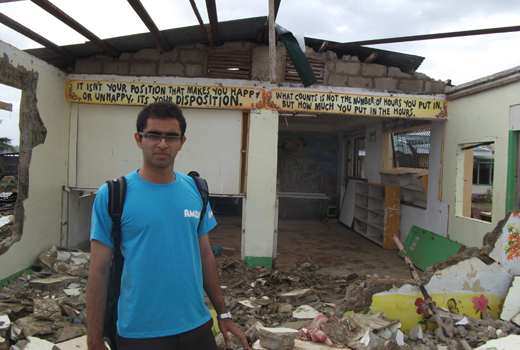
(376, 212)
(413, 183)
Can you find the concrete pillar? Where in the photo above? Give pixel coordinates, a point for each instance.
(259, 214)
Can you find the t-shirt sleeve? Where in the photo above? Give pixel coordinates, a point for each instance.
(208, 221)
(101, 225)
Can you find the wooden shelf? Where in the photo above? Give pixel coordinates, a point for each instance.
(413, 183)
(377, 218)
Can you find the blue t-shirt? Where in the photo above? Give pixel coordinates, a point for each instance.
(161, 286)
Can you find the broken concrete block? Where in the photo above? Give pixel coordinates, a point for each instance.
(252, 332)
(516, 319)
(16, 332)
(70, 311)
(277, 338)
(398, 337)
(299, 296)
(305, 312)
(416, 333)
(5, 325)
(249, 303)
(73, 292)
(507, 343)
(4, 345)
(52, 284)
(73, 344)
(71, 332)
(37, 344)
(512, 302)
(296, 324)
(285, 310)
(28, 326)
(46, 309)
(298, 345)
(221, 344)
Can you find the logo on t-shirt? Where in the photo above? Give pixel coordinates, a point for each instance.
(191, 213)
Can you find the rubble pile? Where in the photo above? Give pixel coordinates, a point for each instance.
(47, 306)
(303, 296)
(298, 308)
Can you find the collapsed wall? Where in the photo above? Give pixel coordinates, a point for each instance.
(191, 61)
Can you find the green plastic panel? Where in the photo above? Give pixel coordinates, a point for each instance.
(259, 261)
(426, 248)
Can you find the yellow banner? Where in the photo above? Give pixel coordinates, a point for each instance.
(364, 105)
(138, 94)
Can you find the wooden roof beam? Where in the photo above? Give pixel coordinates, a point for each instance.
(211, 6)
(403, 39)
(62, 16)
(150, 24)
(266, 31)
(199, 18)
(69, 56)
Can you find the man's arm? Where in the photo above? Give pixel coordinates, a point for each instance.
(212, 288)
(100, 258)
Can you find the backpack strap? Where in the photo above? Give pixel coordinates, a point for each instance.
(202, 186)
(116, 201)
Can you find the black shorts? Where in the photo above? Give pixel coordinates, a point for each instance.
(200, 338)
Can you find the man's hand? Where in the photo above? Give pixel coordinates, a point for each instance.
(227, 325)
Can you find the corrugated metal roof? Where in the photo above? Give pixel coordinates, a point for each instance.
(248, 29)
(407, 63)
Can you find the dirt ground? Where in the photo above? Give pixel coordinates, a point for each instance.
(336, 249)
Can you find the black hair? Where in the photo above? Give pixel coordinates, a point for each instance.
(160, 110)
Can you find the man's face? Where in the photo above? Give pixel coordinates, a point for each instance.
(161, 154)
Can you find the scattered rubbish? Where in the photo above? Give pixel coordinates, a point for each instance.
(316, 310)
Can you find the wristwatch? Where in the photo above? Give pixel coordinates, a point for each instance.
(222, 316)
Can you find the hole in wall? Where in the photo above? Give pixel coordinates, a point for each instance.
(32, 133)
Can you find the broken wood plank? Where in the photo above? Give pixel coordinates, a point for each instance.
(427, 297)
(6, 106)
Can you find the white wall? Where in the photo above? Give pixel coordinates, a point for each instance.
(483, 116)
(106, 146)
(48, 168)
(374, 152)
(435, 217)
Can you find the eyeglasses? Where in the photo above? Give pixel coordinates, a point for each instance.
(157, 138)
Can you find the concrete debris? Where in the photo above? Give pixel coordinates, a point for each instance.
(512, 302)
(38, 306)
(34, 343)
(277, 338)
(506, 343)
(516, 319)
(46, 309)
(52, 284)
(63, 261)
(305, 312)
(298, 345)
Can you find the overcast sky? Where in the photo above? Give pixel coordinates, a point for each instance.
(459, 59)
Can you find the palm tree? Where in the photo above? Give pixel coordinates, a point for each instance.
(5, 146)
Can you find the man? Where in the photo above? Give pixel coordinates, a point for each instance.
(168, 259)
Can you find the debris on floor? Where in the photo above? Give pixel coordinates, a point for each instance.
(298, 308)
